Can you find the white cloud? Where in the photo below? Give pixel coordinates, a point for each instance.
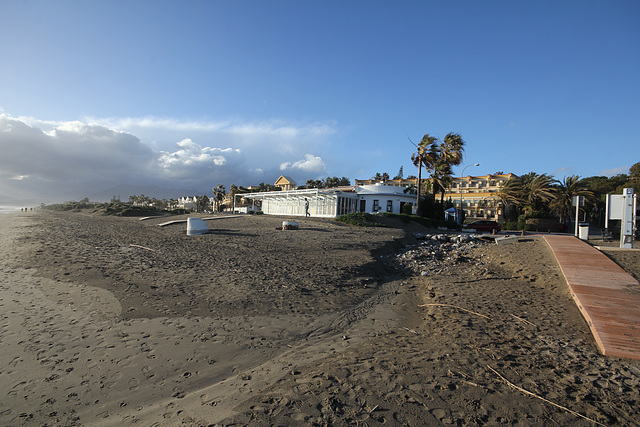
(561, 170)
(192, 160)
(72, 159)
(310, 164)
(615, 171)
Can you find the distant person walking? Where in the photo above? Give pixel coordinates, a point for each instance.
(306, 208)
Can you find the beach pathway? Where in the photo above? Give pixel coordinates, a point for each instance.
(607, 296)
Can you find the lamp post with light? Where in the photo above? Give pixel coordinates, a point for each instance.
(462, 175)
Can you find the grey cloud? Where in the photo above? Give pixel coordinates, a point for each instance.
(69, 159)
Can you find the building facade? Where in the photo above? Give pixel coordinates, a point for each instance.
(479, 196)
(332, 202)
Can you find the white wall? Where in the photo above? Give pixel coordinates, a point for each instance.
(383, 194)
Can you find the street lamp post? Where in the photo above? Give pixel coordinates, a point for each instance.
(461, 175)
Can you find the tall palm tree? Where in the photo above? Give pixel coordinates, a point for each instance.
(569, 187)
(529, 192)
(511, 194)
(539, 191)
(218, 195)
(426, 156)
(441, 178)
(452, 148)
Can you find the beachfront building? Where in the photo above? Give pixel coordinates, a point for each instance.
(331, 202)
(406, 183)
(479, 196)
(285, 183)
(190, 203)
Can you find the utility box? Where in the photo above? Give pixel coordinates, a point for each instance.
(623, 207)
(583, 231)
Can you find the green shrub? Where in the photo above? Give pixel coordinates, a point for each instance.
(510, 225)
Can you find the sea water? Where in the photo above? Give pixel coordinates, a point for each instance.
(10, 209)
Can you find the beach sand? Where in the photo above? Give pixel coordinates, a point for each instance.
(116, 321)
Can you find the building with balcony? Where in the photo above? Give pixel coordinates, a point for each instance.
(478, 195)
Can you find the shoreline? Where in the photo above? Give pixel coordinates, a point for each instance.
(335, 326)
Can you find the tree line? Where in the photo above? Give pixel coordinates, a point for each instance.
(536, 195)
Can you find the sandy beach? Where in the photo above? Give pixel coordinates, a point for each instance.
(115, 321)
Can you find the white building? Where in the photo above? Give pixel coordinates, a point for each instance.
(331, 202)
(188, 203)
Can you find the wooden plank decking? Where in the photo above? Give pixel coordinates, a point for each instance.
(607, 296)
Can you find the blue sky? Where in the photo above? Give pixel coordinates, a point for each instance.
(192, 94)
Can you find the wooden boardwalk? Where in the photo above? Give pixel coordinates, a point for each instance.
(607, 296)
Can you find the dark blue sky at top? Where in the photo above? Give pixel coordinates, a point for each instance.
(313, 89)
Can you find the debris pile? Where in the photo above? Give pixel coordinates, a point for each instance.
(436, 253)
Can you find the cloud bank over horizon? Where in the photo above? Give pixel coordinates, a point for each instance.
(61, 160)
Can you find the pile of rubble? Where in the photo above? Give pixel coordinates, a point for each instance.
(436, 253)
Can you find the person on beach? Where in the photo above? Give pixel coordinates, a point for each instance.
(306, 208)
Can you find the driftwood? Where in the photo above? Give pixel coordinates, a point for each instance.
(456, 307)
(142, 247)
(525, 321)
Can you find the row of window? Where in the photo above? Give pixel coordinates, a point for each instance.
(478, 184)
(376, 205)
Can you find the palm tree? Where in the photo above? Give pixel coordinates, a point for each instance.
(511, 195)
(569, 187)
(451, 149)
(218, 195)
(529, 192)
(425, 156)
(438, 157)
(539, 191)
(451, 152)
(441, 178)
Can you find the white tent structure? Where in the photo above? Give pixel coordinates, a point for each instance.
(323, 202)
(332, 202)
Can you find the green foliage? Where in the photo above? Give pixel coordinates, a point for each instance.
(510, 225)
(113, 208)
(381, 176)
(128, 210)
(429, 208)
(74, 206)
(438, 157)
(407, 209)
(400, 173)
(329, 182)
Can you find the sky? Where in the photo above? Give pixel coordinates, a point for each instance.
(192, 94)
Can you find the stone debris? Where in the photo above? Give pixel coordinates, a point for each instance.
(436, 253)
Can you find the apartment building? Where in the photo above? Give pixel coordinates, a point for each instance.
(479, 195)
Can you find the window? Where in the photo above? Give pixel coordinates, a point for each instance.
(389, 205)
(376, 205)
